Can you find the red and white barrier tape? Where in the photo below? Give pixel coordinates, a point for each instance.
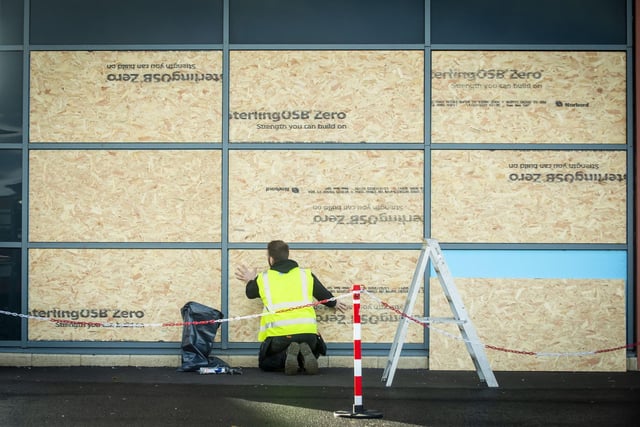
(493, 347)
(316, 303)
(163, 324)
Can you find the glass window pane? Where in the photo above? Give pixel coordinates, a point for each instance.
(11, 21)
(10, 97)
(326, 22)
(126, 21)
(10, 293)
(540, 22)
(10, 195)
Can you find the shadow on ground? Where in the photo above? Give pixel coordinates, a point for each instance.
(98, 396)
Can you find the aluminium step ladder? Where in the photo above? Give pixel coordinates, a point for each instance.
(431, 251)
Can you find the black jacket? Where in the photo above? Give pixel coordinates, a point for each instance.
(319, 291)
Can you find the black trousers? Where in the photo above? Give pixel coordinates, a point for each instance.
(273, 350)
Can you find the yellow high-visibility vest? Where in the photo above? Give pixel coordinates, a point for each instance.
(280, 291)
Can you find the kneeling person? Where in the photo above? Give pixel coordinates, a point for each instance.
(289, 338)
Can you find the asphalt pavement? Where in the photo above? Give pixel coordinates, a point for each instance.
(129, 396)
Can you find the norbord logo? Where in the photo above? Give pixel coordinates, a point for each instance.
(572, 104)
(294, 190)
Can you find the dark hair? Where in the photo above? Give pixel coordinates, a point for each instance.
(278, 250)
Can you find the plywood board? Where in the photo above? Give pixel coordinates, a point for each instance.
(331, 196)
(126, 96)
(124, 196)
(124, 286)
(557, 316)
(528, 196)
(528, 97)
(326, 96)
(386, 275)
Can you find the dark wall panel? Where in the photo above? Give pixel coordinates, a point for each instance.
(11, 21)
(10, 97)
(126, 21)
(538, 22)
(326, 22)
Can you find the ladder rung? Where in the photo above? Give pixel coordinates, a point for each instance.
(442, 320)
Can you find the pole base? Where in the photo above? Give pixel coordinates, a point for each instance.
(363, 414)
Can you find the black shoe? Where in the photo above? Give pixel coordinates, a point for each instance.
(309, 361)
(291, 363)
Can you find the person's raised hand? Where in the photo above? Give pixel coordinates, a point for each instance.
(245, 273)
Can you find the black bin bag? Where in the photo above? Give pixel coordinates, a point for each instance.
(197, 340)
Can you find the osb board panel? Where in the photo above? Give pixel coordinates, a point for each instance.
(385, 274)
(529, 97)
(124, 96)
(334, 196)
(559, 316)
(124, 196)
(529, 196)
(326, 96)
(118, 286)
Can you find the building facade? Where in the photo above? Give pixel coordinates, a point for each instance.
(148, 148)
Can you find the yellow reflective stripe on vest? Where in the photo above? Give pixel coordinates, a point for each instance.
(289, 322)
(267, 291)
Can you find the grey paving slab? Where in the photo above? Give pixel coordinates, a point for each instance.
(127, 396)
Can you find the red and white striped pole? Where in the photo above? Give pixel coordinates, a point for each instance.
(358, 408)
